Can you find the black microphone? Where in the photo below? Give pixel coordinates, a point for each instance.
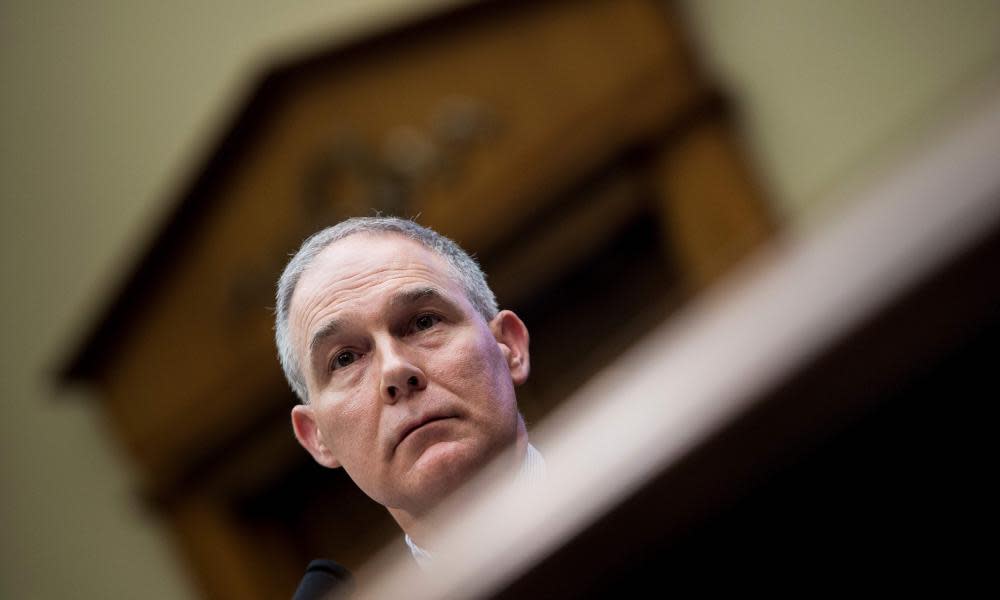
(324, 579)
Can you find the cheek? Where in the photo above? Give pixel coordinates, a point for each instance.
(477, 371)
(350, 423)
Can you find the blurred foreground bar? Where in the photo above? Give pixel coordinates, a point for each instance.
(816, 421)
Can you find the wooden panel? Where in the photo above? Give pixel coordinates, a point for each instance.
(711, 209)
(566, 84)
(569, 144)
(228, 561)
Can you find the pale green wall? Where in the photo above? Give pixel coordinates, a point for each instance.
(828, 87)
(105, 105)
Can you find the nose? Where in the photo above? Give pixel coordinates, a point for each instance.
(401, 376)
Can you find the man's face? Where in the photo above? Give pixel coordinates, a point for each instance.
(410, 389)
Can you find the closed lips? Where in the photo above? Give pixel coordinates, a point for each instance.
(415, 424)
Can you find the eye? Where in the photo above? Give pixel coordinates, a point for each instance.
(343, 359)
(424, 322)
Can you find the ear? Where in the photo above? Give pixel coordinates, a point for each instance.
(310, 437)
(512, 337)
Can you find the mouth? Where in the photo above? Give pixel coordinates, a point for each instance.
(416, 424)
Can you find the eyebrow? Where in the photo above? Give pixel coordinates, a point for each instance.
(399, 300)
(329, 329)
(415, 296)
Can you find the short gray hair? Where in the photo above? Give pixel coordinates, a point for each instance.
(466, 272)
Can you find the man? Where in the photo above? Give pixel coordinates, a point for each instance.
(391, 338)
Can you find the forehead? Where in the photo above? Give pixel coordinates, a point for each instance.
(363, 253)
(367, 267)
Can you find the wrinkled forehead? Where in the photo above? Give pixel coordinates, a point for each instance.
(375, 263)
(373, 253)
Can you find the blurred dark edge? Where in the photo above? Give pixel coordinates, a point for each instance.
(870, 464)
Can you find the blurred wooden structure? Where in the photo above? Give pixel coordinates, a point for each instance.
(822, 420)
(574, 147)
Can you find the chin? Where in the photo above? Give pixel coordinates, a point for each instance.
(444, 467)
